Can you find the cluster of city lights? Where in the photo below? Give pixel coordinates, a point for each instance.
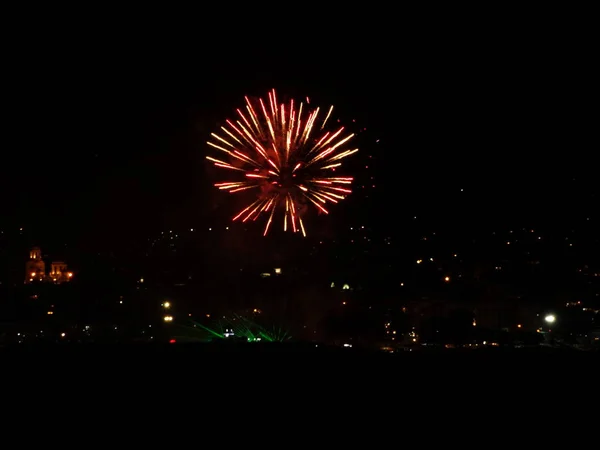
(168, 317)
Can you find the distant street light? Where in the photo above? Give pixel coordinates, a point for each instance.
(168, 318)
(550, 318)
(166, 305)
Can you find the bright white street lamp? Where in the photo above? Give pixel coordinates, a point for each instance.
(550, 318)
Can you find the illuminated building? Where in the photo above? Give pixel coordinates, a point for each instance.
(35, 269)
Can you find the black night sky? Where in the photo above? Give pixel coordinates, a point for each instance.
(108, 143)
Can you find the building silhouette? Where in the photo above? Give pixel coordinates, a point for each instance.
(35, 269)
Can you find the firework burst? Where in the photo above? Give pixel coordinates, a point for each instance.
(287, 154)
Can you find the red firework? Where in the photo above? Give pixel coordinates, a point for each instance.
(287, 154)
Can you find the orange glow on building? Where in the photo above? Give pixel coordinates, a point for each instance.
(35, 269)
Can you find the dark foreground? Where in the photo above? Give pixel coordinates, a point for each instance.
(296, 375)
(238, 352)
(266, 348)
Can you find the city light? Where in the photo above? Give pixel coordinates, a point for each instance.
(166, 305)
(550, 318)
(168, 318)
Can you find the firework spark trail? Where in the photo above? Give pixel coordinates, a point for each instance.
(285, 151)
